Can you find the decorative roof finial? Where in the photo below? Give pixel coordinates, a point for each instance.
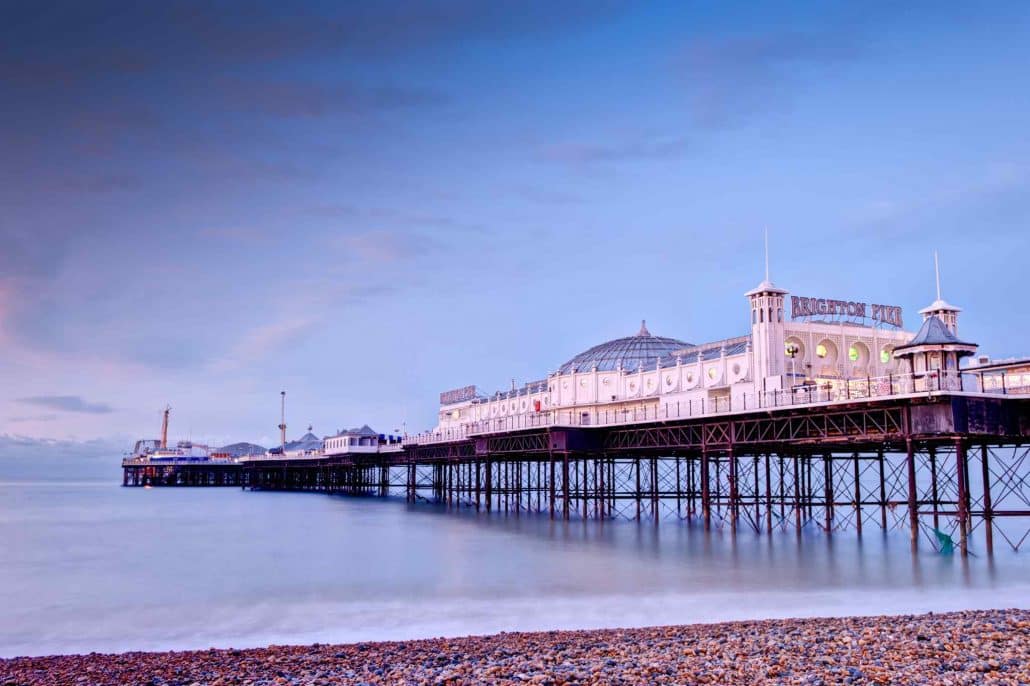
(643, 328)
(937, 273)
(767, 254)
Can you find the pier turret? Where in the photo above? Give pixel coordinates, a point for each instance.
(940, 308)
(934, 353)
(767, 332)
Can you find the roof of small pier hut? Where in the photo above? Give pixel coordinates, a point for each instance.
(308, 441)
(627, 353)
(365, 430)
(935, 335)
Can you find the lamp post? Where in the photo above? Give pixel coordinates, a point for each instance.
(792, 353)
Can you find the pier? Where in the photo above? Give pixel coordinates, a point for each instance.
(943, 466)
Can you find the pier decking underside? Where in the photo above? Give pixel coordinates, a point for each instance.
(943, 468)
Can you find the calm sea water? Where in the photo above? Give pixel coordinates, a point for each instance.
(96, 567)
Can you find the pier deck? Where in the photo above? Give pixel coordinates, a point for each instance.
(943, 465)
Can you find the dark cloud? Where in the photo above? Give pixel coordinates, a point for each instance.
(305, 99)
(67, 403)
(100, 183)
(112, 38)
(730, 78)
(631, 150)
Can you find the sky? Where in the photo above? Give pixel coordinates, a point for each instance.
(364, 204)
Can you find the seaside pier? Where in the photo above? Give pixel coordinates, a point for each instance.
(826, 417)
(945, 467)
(941, 467)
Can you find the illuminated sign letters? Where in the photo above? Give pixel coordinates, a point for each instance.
(825, 307)
(458, 395)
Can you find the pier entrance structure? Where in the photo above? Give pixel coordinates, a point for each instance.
(828, 415)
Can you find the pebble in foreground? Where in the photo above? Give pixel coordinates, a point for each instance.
(982, 647)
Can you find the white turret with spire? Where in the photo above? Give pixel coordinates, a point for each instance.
(767, 332)
(940, 308)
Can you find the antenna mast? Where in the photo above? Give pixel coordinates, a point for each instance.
(164, 428)
(282, 423)
(767, 254)
(937, 273)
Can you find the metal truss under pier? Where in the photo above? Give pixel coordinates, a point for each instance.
(946, 468)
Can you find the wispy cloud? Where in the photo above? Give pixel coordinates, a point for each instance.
(263, 340)
(31, 458)
(388, 246)
(730, 78)
(67, 403)
(643, 148)
(353, 214)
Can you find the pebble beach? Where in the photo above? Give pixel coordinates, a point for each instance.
(974, 647)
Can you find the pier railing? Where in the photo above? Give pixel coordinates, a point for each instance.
(823, 392)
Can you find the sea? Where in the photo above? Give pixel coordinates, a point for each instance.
(92, 566)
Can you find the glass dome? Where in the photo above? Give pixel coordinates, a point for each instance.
(630, 352)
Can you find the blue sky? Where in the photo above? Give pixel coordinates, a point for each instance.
(366, 204)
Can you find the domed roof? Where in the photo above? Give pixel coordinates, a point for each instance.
(630, 352)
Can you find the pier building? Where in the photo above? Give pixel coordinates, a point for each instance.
(795, 345)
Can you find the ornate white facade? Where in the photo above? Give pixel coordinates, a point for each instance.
(833, 345)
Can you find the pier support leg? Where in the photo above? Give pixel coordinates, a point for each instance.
(913, 506)
(479, 485)
(679, 510)
(565, 485)
(858, 494)
(636, 490)
(768, 496)
(733, 491)
(828, 491)
(654, 489)
(756, 497)
(988, 509)
(962, 472)
(933, 487)
(550, 485)
(883, 490)
(797, 496)
(706, 499)
(585, 489)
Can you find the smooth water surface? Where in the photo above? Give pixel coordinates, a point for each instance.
(96, 567)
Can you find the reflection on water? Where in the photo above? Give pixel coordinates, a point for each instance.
(98, 567)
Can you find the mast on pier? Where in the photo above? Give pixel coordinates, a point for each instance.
(164, 428)
(282, 423)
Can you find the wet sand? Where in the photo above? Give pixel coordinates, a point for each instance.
(954, 648)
